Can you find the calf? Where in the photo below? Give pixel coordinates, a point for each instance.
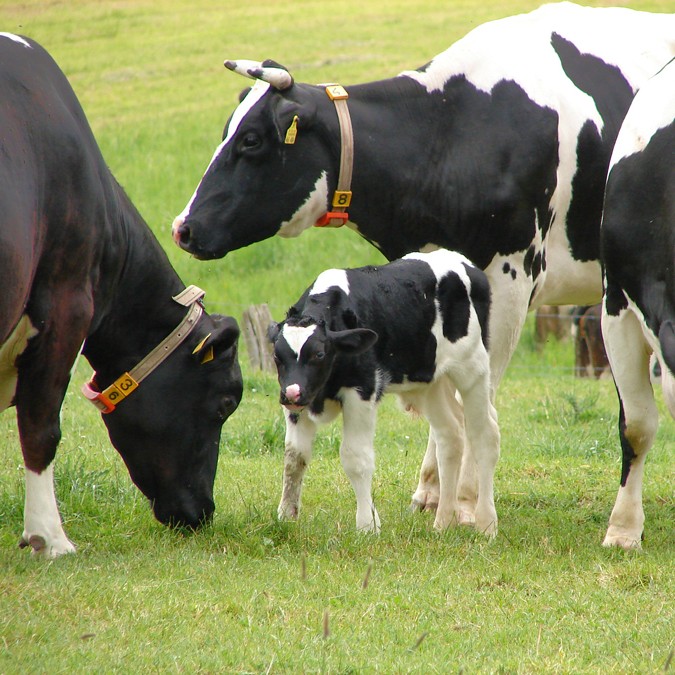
(416, 327)
(589, 347)
(638, 250)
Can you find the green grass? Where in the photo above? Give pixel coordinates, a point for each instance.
(251, 594)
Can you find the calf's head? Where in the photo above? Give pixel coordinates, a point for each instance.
(306, 354)
(270, 173)
(168, 430)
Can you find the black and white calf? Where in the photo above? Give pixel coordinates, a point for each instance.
(638, 249)
(416, 327)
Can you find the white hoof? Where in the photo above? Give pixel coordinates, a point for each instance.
(40, 548)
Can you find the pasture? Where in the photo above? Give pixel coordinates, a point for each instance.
(251, 594)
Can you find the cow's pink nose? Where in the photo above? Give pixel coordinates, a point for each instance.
(293, 392)
(178, 221)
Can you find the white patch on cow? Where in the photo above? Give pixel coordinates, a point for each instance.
(16, 38)
(43, 530)
(311, 210)
(493, 52)
(443, 261)
(330, 279)
(13, 346)
(258, 90)
(645, 118)
(296, 336)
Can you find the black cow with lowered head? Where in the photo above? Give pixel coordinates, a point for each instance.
(638, 253)
(80, 271)
(497, 148)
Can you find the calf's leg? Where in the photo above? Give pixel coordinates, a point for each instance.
(357, 454)
(300, 433)
(483, 437)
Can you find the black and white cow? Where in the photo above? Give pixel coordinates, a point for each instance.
(638, 250)
(81, 271)
(416, 327)
(497, 148)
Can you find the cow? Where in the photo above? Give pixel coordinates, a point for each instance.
(590, 357)
(638, 313)
(81, 272)
(417, 327)
(497, 148)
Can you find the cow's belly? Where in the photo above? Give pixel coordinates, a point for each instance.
(569, 282)
(15, 344)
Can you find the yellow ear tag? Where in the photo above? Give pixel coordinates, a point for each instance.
(208, 356)
(292, 132)
(201, 344)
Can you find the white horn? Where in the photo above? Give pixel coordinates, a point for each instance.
(278, 77)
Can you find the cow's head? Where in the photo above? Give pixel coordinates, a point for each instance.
(272, 173)
(305, 352)
(168, 430)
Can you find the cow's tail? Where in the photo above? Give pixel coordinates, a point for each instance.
(667, 342)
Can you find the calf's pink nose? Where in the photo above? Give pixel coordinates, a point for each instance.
(293, 392)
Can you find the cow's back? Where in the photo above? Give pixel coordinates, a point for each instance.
(49, 176)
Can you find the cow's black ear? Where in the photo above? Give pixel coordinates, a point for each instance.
(292, 116)
(222, 337)
(244, 93)
(353, 340)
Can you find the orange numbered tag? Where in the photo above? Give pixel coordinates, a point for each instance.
(342, 198)
(336, 92)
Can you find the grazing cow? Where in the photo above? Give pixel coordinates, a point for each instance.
(416, 327)
(638, 252)
(497, 148)
(589, 347)
(81, 271)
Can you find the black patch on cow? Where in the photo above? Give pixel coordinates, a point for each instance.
(536, 265)
(481, 298)
(528, 260)
(452, 294)
(612, 95)
(627, 452)
(507, 269)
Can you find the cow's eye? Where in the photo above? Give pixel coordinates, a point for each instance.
(318, 356)
(250, 141)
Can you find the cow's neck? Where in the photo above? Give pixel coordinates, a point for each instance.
(391, 123)
(136, 311)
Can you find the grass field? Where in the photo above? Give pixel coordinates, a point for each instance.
(250, 594)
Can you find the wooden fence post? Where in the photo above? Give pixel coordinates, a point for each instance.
(255, 322)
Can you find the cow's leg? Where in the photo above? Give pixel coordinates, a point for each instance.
(628, 355)
(357, 454)
(43, 377)
(43, 530)
(300, 433)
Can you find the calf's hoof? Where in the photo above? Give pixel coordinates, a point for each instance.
(285, 512)
(424, 501)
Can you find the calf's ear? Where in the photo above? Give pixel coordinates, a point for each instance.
(223, 336)
(273, 331)
(353, 340)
